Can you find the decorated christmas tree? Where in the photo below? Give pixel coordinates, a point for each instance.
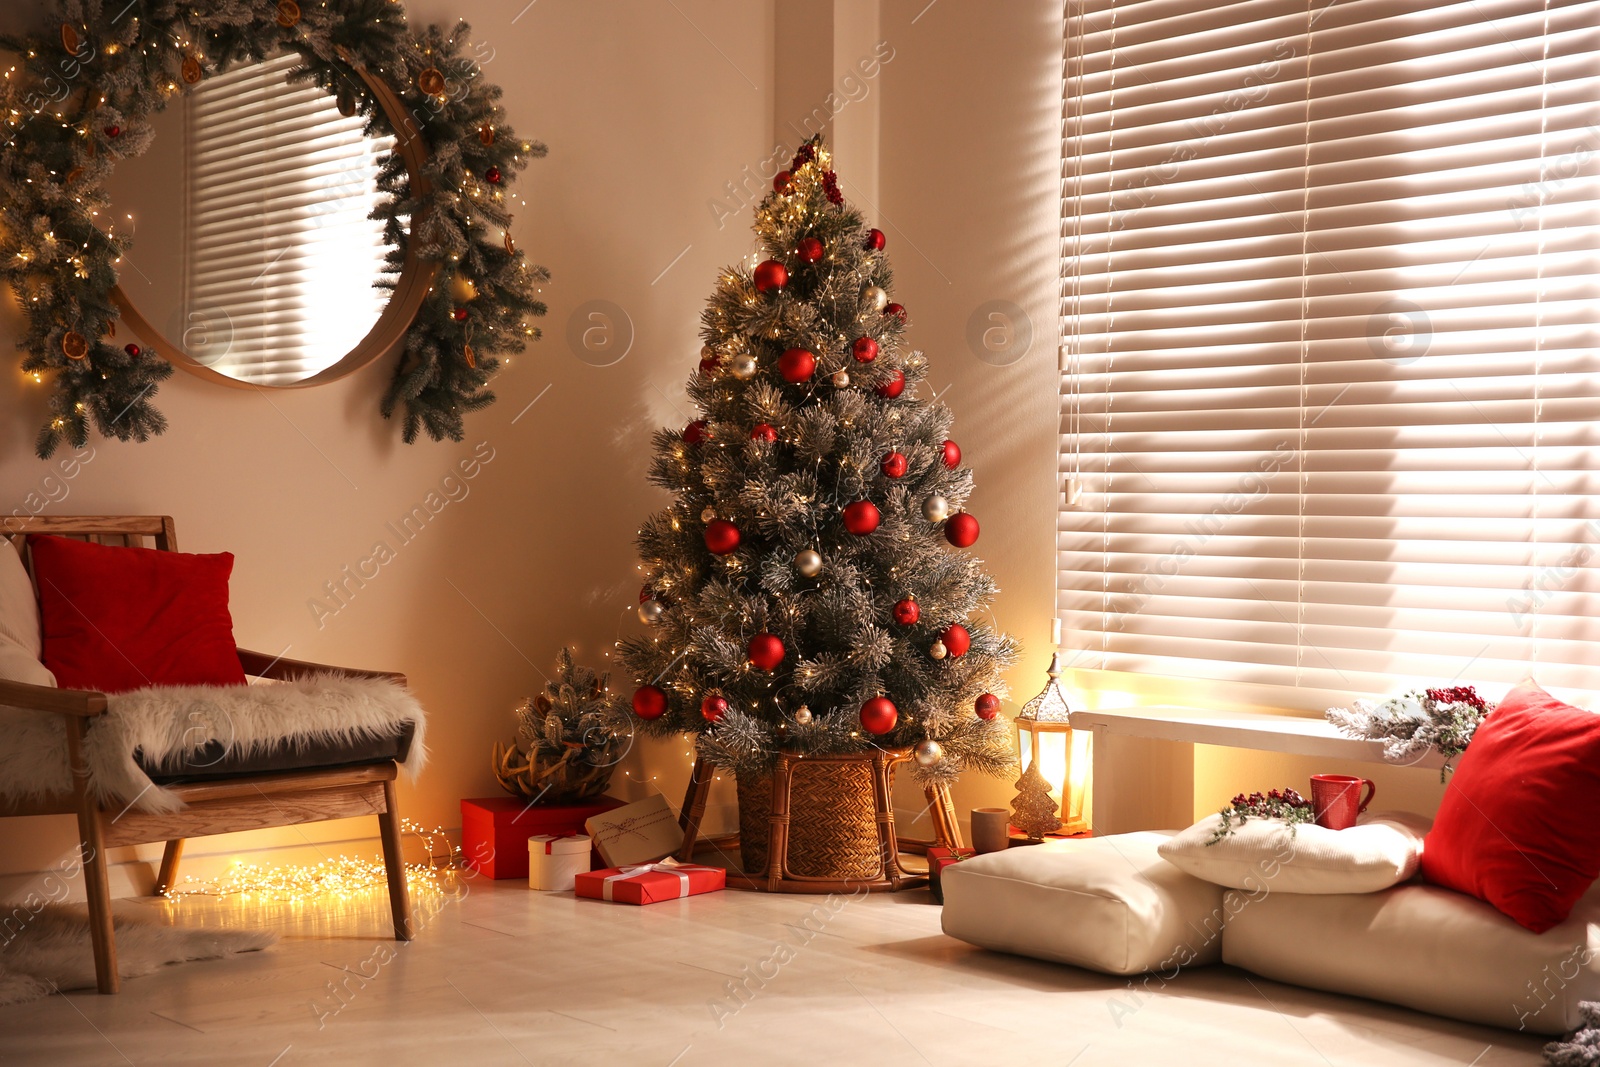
(809, 589)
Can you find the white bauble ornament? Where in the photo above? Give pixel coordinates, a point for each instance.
(876, 297)
(936, 508)
(841, 379)
(708, 515)
(937, 650)
(650, 612)
(743, 366)
(928, 752)
(808, 562)
(802, 715)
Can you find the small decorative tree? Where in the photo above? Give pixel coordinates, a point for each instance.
(808, 588)
(1034, 810)
(567, 742)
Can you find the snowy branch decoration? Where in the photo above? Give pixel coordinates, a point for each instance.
(1415, 723)
(80, 99)
(807, 589)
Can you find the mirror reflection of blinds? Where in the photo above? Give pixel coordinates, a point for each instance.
(281, 255)
(1331, 278)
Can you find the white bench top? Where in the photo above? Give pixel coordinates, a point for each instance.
(1300, 735)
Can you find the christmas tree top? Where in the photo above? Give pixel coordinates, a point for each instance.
(808, 589)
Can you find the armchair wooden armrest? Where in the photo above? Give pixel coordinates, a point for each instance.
(261, 665)
(81, 702)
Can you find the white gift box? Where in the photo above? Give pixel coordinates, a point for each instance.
(555, 859)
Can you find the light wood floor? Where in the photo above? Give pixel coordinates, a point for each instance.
(505, 976)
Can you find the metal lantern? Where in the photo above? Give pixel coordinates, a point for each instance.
(1045, 721)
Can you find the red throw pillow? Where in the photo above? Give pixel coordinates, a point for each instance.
(124, 618)
(1517, 825)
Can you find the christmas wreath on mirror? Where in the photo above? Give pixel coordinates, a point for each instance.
(79, 97)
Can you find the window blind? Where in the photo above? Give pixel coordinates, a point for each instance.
(1330, 281)
(281, 254)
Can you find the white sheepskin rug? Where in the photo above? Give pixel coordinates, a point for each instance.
(50, 950)
(166, 722)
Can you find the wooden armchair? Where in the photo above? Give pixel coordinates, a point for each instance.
(224, 804)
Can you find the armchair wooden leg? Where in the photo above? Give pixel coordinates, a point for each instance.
(169, 865)
(394, 864)
(97, 886)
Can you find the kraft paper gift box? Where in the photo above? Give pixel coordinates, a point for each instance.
(650, 883)
(939, 858)
(555, 859)
(642, 832)
(495, 830)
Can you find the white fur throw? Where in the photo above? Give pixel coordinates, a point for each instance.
(167, 722)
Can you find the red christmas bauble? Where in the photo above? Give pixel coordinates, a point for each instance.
(762, 431)
(956, 639)
(492, 175)
(132, 349)
(894, 386)
(879, 715)
(961, 529)
(865, 350)
(897, 310)
(460, 314)
(766, 651)
(645, 593)
(783, 182)
(952, 455)
(708, 367)
(696, 432)
(874, 242)
(809, 250)
(713, 708)
(722, 536)
(907, 612)
(894, 465)
(770, 274)
(987, 706)
(797, 365)
(113, 131)
(861, 517)
(649, 702)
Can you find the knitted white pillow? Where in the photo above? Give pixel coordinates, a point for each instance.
(1268, 854)
(21, 643)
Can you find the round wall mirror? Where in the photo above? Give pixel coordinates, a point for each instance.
(254, 259)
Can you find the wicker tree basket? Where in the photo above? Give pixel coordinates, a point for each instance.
(833, 826)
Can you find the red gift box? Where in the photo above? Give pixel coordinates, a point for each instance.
(650, 883)
(939, 858)
(495, 830)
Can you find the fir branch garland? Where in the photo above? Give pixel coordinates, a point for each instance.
(81, 99)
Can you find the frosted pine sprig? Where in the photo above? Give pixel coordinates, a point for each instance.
(1414, 723)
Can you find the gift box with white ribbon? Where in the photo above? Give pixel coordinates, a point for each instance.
(555, 859)
(650, 883)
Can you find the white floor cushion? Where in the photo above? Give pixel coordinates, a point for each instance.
(1425, 947)
(1110, 904)
(1382, 851)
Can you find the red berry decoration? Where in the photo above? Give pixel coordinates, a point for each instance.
(879, 715)
(861, 518)
(907, 612)
(783, 183)
(132, 349)
(987, 706)
(713, 708)
(956, 639)
(722, 536)
(113, 131)
(770, 274)
(952, 455)
(894, 465)
(897, 310)
(649, 702)
(492, 175)
(762, 431)
(874, 242)
(766, 651)
(961, 530)
(894, 386)
(809, 250)
(460, 314)
(797, 365)
(865, 350)
(696, 432)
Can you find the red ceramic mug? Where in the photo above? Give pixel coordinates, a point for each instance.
(1337, 800)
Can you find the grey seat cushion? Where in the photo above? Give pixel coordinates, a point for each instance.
(215, 760)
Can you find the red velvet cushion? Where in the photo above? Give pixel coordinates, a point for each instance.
(1518, 826)
(125, 618)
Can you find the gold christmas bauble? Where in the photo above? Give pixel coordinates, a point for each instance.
(802, 715)
(650, 612)
(876, 297)
(937, 650)
(743, 366)
(936, 508)
(841, 379)
(808, 562)
(928, 752)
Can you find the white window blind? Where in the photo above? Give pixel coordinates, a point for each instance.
(281, 254)
(1331, 277)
